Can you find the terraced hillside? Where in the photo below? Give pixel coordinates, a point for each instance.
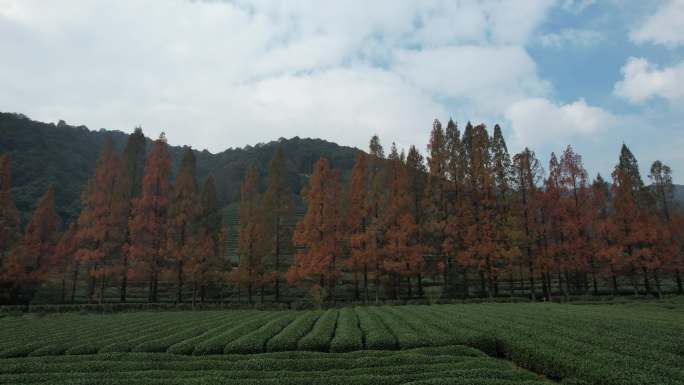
(450, 344)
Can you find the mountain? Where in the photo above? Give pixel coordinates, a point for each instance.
(64, 155)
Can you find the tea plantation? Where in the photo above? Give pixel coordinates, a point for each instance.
(437, 344)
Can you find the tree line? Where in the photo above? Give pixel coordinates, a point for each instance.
(468, 218)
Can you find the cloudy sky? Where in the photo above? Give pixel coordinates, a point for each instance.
(219, 74)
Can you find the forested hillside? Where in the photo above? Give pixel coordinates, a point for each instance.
(64, 155)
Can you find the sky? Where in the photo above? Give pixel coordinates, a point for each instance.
(221, 74)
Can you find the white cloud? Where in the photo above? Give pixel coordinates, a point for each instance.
(572, 37)
(217, 74)
(538, 121)
(487, 78)
(665, 26)
(643, 80)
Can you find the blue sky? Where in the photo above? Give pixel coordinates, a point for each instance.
(219, 74)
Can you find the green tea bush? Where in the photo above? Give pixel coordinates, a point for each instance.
(348, 336)
(287, 339)
(255, 342)
(318, 339)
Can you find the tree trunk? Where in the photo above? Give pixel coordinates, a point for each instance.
(194, 294)
(680, 287)
(356, 285)
(73, 284)
(179, 292)
(249, 292)
(545, 287)
(533, 291)
(647, 282)
(102, 289)
(91, 290)
(659, 291)
(483, 290)
(124, 280)
(377, 282)
(64, 287)
(635, 283)
(420, 285)
(365, 283)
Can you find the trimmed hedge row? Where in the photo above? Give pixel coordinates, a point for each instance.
(374, 367)
(255, 342)
(376, 335)
(287, 339)
(318, 339)
(217, 343)
(348, 336)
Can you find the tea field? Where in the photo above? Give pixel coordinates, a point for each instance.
(641, 343)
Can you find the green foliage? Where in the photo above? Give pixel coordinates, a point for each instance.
(459, 365)
(255, 342)
(64, 155)
(376, 334)
(619, 344)
(322, 333)
(348, 336)
(288, 337)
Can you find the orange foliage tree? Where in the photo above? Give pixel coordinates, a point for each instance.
(147, 224)
(318, 234)
(103, 221)
(183, 236)
(29, 263)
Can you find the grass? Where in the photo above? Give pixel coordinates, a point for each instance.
(618, 344)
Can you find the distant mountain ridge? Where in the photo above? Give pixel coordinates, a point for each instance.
(65, 155)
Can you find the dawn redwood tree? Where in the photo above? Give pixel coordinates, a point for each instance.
(10, 220)
(628, 220)
(250, 237)
(604, 245)
(416, 174)
(435, 201)
(103, 221)
(133, 162)
(277, 216)
(183, 223)
(479, 241)
(147, 225)
(357, 223)
(632, 205)
(527, 173)
(554, 217)
(402, 252)
(455, 196)
(376, 201)
(29, 263)
(318, 232)
(669, 246)
(578, 216)
(501, 169)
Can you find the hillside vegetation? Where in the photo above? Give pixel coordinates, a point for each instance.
(65, 155)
